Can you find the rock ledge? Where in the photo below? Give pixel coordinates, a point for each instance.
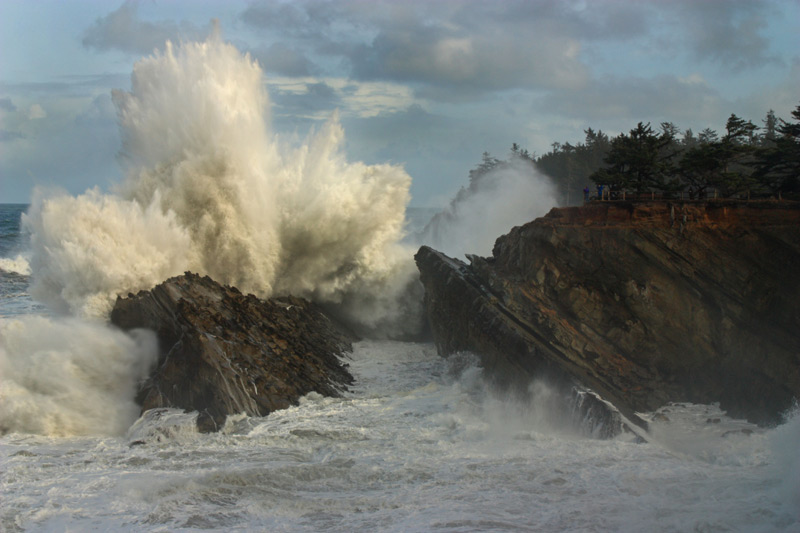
(222, 352)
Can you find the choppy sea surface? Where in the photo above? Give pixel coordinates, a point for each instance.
(419, 443)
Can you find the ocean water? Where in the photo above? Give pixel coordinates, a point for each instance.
(14, 268)
(420, 443)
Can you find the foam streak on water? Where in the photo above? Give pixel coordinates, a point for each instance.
(420, 444)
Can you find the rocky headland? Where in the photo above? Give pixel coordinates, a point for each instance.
(222, 352)
(642, 303)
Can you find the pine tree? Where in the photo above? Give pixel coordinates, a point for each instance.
(778, 163)
(640, 161)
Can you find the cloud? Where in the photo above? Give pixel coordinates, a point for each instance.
(494, 59)
(36, 112)
(664, 97)
(727, 32)
(75, 148)
(320, 21)
(280, 59)
(465, 49)
(306, 101)
(474, 46)
(123, 30)
(8, 136)
(7, 105)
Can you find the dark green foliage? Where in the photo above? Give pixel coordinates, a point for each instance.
(571, 165)
(641, 161)
(778, 161)
(746, 161)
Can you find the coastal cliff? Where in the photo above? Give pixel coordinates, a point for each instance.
(642, 303)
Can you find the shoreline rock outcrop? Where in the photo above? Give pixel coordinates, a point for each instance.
(222, 352)
(643, 303)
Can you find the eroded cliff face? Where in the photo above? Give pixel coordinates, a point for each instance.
(643, 303)
(223, 352)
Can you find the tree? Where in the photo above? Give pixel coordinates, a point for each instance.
(670, 131)
(487, 163)
(700, 167)
(707, 136)
(778, 163)
(640, 161)
(689, 140)
(739, 131)
(736, 153)
(770, 129)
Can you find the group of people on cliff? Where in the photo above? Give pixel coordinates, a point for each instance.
(604, 192)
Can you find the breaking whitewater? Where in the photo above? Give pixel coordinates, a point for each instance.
(419, 443)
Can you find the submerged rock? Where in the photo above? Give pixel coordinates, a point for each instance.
(222, 352)
(641, 303)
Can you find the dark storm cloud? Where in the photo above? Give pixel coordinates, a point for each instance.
(124, 30)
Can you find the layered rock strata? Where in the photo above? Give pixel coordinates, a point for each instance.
(222, 352)
(642, 303)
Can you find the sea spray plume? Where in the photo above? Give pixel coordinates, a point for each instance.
(340, 228)
(87, 249)
(193, 131)
(70, 377)
(200, 160)
(506, 195)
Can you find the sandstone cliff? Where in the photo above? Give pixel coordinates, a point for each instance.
(643, 303)
(222, 352)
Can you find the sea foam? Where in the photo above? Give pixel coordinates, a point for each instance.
(69, 376)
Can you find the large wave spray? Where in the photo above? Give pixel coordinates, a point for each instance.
(70, 377)
(208, 188)
(510, 194)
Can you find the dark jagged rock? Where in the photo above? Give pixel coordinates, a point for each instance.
(222, 352)
(642, 303)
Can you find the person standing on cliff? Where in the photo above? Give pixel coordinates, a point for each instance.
(599, 192)
(586, 194)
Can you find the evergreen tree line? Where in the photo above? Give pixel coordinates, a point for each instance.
(747, 160)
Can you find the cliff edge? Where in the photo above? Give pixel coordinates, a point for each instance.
(642, 303)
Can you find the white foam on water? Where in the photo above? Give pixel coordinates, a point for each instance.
(18, 265)
(70, 377)
(420, 444)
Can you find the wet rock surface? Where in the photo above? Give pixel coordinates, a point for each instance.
(642, 303)
(222, 352)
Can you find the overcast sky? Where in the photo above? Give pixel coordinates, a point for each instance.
(430, 85)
